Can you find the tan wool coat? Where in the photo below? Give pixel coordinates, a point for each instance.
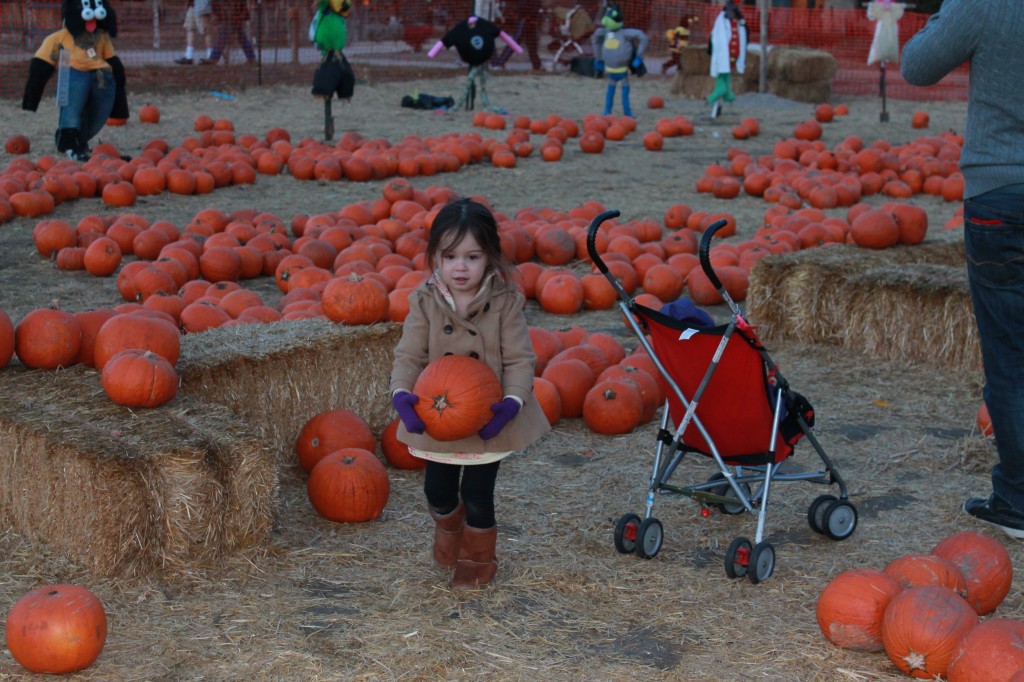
(495, 331)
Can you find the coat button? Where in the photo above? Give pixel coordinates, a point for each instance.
(448, 353)
(448, 329)
(487, 306)
(472, 333)
(474, 355)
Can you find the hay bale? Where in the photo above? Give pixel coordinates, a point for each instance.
(812, 93)
(125, 492)
(801, 65)
(919, 312)
(278, 376)
(855, 297)
(695, 61)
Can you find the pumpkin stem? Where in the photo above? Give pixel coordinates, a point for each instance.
(914, 661)
(440, 402)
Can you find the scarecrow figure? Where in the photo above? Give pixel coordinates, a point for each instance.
(90, 78)
(617, 52)
(473, 38)
(334, 76)
(678, 38)
(728, 48)
(885, 46)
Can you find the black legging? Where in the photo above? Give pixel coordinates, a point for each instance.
(441, 485)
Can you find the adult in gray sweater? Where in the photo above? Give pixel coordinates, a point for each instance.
(987, 34)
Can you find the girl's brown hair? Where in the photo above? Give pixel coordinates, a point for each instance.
(462, 217)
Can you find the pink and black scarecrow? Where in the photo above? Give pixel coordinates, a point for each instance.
(473, 39)
(90, 77)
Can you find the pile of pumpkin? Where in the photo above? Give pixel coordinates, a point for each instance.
(923, 610)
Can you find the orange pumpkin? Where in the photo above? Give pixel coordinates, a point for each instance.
(47, 338)
(17, 144)
(123, 332)
(548, 399)
(983, 420)
(912, 570)
(985, 564)
(612, 407)
(851, 606)
(874, 229)
(139, 378)
(397, 452)
(992, 651)
(6, 339)
(102, 257)
(329, 431)
(355, 299)
(921, 627)
(349, 486)
(56, 629)
(573, 378)
(455, 396)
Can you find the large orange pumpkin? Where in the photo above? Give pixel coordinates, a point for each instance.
(397, 452)
(139, 378)
(921, 627)
(6, 339)
(47, 338)
(992, 651)
(985, 564)
(455, 396)
(125, 331)
(911, 570)
(329, 431)
(56, 629)
(349, 486)
(355, 299)
(613, 407)
(851, 606)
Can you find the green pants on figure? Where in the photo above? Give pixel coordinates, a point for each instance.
(723, 89)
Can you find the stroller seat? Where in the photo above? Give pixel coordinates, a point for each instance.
(726, 400)
(574, 29)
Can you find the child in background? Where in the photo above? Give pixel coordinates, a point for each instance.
(470, 306)
(197, 20)
(678, 38)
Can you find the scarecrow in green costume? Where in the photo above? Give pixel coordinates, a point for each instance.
(334, 76)
(728, 51)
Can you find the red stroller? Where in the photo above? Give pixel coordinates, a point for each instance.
(728, 401)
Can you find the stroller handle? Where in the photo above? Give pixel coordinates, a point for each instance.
(704, 251)
(592, 237)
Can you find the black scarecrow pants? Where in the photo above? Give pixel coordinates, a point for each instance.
(334, 76)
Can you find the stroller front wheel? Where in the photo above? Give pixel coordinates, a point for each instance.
(649, 538)
(840, 520)
(762, 560)
(816, 512)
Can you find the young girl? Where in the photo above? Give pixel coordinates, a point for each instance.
(470, 306)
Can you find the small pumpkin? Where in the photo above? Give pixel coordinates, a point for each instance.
(851, 606)
(985, 564)
(47, 338)
(612, 407)
(6, 339)
(355, 299)
(56, 629)
(921, 627)
(455, 396)
(349, 486)
(329, 431)
(134, 331)
(397, 452)
(139, 378)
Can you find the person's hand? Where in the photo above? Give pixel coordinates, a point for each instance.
(598, 65)
(636, 62)
(504, 412)
(403, 402)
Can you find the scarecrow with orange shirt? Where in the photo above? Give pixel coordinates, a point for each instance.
(90, 77)
(728, 48)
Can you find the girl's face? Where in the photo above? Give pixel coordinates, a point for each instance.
(463, 266)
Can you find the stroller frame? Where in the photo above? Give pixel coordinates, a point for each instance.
(730, 489)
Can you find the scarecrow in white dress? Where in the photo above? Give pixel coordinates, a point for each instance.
(885, 47)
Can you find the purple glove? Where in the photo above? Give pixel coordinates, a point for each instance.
(504, 412)
(403, 402)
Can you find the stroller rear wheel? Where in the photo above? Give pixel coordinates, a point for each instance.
(840, 520)
(626, 533)
(816, 512)
(725, 490)
(649, 538)
(762, 560)
(737, 558)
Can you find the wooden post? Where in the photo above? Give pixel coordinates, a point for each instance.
(762, 78)
(293, 31)
(156, 24)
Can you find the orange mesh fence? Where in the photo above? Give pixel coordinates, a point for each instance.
(393, 36)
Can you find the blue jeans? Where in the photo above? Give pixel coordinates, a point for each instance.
(90, 100)
(228, 28)
(994, 238)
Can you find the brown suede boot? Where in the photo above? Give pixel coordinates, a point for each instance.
(476, 566)
(448, 535)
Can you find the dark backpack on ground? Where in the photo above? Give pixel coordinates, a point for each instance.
(425, 101)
